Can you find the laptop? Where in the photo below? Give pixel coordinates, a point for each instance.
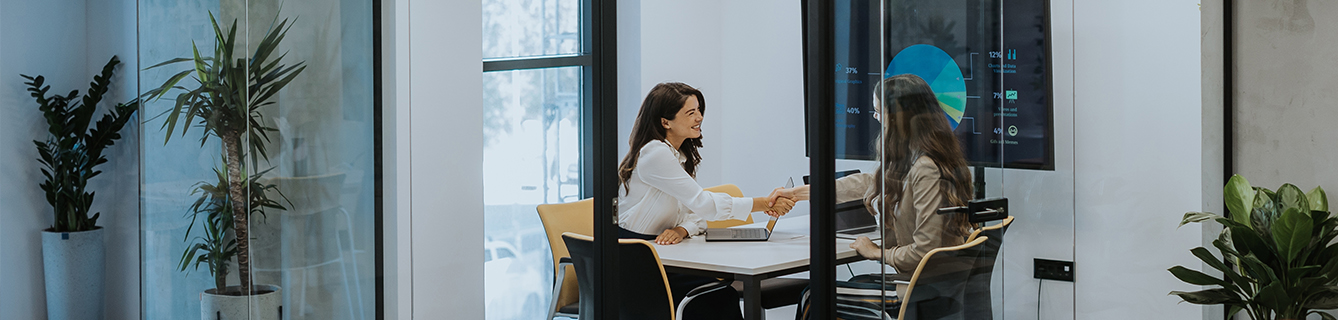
(745, 234)
(854, 221)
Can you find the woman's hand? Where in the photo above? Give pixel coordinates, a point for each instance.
(672, 236)
(797, 194)
(780, 207)
(867, 249)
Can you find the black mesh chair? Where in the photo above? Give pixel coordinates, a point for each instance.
(977, 300)
(642, 283)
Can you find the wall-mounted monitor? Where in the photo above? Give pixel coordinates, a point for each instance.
(988, 62)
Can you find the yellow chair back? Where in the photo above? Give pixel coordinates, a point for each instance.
(576, 217)
(733, 191)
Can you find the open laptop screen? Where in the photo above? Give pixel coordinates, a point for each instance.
(851, 215)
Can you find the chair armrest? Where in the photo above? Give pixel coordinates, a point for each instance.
(698, 291)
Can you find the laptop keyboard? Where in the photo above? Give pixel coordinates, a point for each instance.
(749, 233)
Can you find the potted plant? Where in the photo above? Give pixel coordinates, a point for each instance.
(1281, 246)
(225, 102)
(215, 247)
(73, 251)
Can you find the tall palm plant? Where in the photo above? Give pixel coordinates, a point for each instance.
(225, 103)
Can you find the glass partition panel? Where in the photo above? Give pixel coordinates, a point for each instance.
(922, 89)
(1035, 126)
(266, 180)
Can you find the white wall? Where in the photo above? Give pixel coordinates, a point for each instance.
(1138, 152)
(679, 41)
(437, 155)
(1285, 75)
(66, 41)
(396, 261)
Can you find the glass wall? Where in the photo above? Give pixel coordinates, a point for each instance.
(954, 101)
(534, 100)
(262, 170)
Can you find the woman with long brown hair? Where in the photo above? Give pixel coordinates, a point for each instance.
(660, 199)
(921, 168)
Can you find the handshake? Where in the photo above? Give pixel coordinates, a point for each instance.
(782, 200)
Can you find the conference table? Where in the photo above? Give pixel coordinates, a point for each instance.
(786, 252)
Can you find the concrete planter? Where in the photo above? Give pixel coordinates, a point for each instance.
(73, 264)
(265, 306)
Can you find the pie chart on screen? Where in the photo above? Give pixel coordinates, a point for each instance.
(940, 71)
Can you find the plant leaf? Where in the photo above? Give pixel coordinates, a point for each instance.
(1210, 296)
(1207, 257)
(1291, 233)
(1195, 277)
(1291, 197)
(1262, 273)
(1325, 299)
(1239, 198)
(1319, 201)
(1197, 217)
(1235, 308)
(1273, 296)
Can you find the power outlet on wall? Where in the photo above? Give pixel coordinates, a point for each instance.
(1053, 270)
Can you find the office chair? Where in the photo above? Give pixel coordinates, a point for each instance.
(310, 234)
(643, 285)
(935, 290)
(577, 217)
(977, 300)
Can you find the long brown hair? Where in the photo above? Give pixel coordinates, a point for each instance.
(663, 102)
(914, 125)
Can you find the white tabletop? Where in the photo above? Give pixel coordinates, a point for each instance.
(787, 248)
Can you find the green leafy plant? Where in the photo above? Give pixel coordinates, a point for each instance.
(1281, 244)
(72, 152)
(214, 248)
(226, 103)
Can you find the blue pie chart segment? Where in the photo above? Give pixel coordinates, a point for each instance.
(940, 71)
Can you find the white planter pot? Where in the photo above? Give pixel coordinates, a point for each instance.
(264, 306)
(73, 265)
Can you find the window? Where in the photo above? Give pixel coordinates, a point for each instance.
(536, 87)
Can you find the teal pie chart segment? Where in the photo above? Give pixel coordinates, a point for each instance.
(940, 71)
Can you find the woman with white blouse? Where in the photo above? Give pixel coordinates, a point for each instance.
(660, 198)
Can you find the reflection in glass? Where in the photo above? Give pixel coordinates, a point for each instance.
(531, 156)
(319, 250)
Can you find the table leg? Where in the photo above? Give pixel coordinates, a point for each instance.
(752, 297)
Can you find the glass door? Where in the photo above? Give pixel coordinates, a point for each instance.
(264, 183)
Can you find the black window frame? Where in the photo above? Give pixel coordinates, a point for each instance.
(584, 58)
(599, 129)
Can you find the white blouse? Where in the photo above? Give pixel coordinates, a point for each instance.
(661, 195)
